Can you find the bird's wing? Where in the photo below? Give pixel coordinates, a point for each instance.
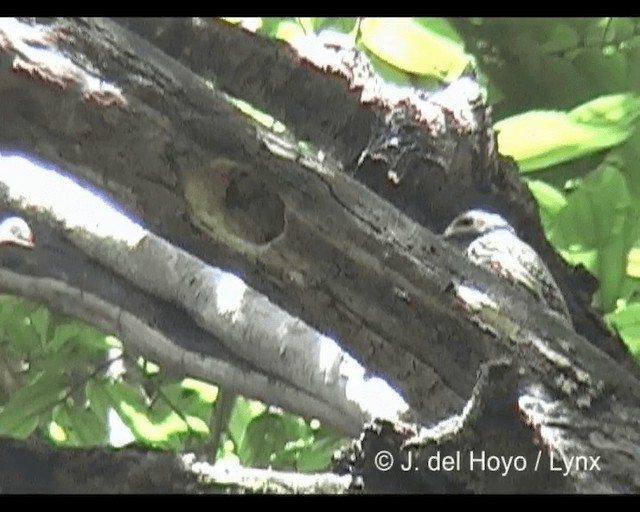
(504, 253)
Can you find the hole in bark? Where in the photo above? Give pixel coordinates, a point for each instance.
(253, 210)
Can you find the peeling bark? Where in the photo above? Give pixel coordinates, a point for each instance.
(343, 240)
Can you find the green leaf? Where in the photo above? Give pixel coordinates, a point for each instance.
(207, 392)
(244, 412)
(85, 337)
(81, 427)
(99, 398)
(344, 25)
(189, 400)
(563, 37)
(16, 325)
(413, 48)
(387, 72)
(550, 201)
(626, 321)
(20, 427)
(164, 423)
(539, 139)
(441, 27)
(598, 227)
(289, 31)
(317, 455)
(615, 110)
(40, 322)
(633, 261)
(132, 409)
(264, 436)
(31, 403)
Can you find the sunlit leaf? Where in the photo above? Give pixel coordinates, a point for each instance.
(413, 48)
(633, 262)
(550, 200)
(539, 139)
(289, 31)
(81, 427)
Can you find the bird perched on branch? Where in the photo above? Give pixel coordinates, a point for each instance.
(15, 231)
(489, 241)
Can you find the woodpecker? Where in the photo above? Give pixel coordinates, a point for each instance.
(15, 231)
(489, 241)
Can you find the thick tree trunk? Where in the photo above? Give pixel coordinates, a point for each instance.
(341, 237)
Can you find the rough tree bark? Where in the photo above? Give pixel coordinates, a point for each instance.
(341, 238)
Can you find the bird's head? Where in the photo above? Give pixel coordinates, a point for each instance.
(473, 223)
(14, 230)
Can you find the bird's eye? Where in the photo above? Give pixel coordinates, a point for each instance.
(466, 222)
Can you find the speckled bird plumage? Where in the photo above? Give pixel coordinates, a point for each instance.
(491, 242)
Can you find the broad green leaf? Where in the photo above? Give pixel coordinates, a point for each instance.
(275, 439)
(126, 401)
(206, 391)
(264, 436)
(441, 27)
(12, 306)
(162, 424)
(19, 427)
(344, 25)
(550, 201)
(597, 228)
(627, 322)
(186, 399)
(31, 403)
(81, 427)
(244, 412)
(633, 262)
(539, 139)
(267, 25)
(629, 292)
(553, 62)
(562, 37)
(177, 424)
(82, 335)
(57, 433)
(40, 322)
(99, 399)
(619, 29)
(411, 47)
(289, 31)
(605, 73)
(387, 72)
(620, 110)
(316, 456)
(306, 24)
(20, 333)
(287, 458)
(63, 361)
